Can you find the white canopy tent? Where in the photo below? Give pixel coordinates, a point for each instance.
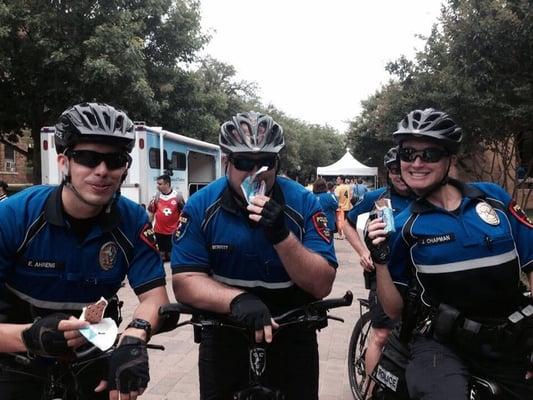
(348, 165)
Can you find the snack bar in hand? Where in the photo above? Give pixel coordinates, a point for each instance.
(94, 313)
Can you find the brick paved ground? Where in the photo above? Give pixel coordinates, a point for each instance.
(174, 373)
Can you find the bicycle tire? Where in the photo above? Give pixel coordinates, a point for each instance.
(356, 357)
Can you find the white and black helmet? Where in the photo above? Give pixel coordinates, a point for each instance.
(251, 132)
(430, 124)
(94, 122)
(391, 158)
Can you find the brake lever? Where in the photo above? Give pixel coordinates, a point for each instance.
(335, 318)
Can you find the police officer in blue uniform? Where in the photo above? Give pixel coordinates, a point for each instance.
(62, 248)
(254, 260)
(400, 197)
(465, 245)
(327, 200)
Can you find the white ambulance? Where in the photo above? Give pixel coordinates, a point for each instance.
(191, 163)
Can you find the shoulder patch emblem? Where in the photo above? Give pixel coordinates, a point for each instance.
(182, 227)
(520, 214)
(320, 221)
(148, 236)
(107, 255)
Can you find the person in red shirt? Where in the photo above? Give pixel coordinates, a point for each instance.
(165, 210)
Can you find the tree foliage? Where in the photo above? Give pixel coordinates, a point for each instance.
(126, 52)
(139, 55)
(477, 64)
(308, 146)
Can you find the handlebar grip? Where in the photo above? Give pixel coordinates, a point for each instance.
(169, 309)
(179, 308)
(343, 301)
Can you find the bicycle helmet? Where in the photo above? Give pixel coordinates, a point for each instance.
(251, 132)
(431, 124)
(94, 122)
(391, 158)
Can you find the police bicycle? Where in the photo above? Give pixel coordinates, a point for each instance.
(60, 376)
(313, 315)
(388, 374)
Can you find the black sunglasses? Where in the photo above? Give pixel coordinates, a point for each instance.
(92, 159)
(248, 164)
(429, 155)
(394, 170)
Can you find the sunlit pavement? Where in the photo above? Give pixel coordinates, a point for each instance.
(174, 373)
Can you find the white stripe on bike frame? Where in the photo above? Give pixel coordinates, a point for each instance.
(53, 305)
(244, 283)
(467, 265)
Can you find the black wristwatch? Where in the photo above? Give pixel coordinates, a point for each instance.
(138, 323)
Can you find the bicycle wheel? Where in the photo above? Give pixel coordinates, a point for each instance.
(356, 357)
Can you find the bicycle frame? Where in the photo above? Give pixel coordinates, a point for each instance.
(313, 314)
(60, 377)
(480, 389)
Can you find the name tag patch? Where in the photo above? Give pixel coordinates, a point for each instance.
(434, 240)
(221, 247)
(45, 265)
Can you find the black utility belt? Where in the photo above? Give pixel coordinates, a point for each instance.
(449, 325)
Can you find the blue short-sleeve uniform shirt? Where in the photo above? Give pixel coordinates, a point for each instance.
(216, 236)
(44, 264)
(329, 205)
(471, 258)
(366, 203)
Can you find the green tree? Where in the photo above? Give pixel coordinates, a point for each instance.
(125, 52)
(477, 65)
(308, 146)
(213, 94)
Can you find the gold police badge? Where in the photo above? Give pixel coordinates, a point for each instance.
(108, 255)
(487, 213)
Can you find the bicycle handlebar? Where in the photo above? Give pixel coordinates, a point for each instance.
(302, 314)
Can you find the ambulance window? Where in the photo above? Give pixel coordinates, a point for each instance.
(154, 159)
(179, 161)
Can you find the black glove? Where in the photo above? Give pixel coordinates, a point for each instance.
(43, 337)
(273, 222)
(128, 366)
(250, 311)
(380, 253)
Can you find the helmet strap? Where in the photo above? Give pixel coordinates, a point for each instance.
(68, 184)
(438, 185)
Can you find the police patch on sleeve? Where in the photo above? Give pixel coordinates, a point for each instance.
(148, 236)
(520, 214)
(182, 227)
(320, 222)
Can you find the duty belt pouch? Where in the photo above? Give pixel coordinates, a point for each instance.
(390, 370)
(445, 323)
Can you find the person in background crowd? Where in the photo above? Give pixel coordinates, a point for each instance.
(459, 250)
(327, 200)
(343, 194)
(358, 191)
(165, 210)
(252, 258)
(400, 197)
(3, 190)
